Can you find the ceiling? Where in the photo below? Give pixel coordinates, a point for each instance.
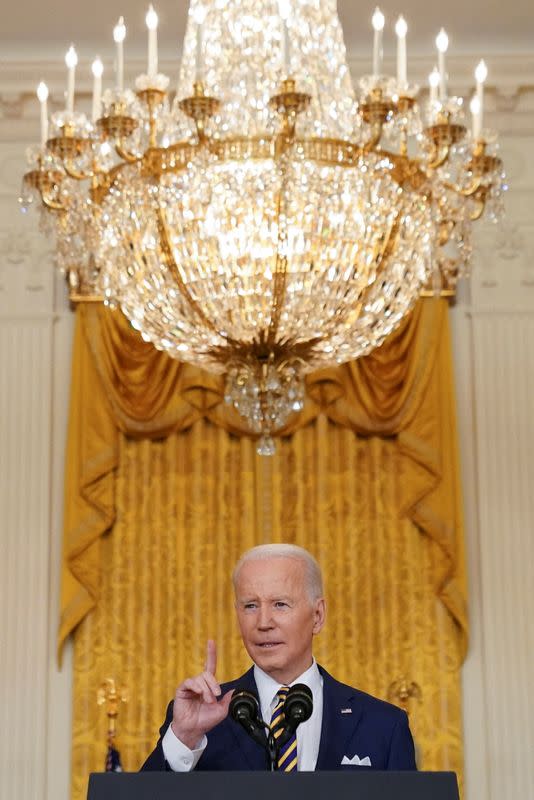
(37, 30)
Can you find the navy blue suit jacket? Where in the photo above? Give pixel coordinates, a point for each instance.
(371, 728)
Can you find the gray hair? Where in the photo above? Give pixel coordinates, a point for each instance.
(314, 578)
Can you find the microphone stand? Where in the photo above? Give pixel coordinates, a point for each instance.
(272, 749)
(244, 708)
(253, 728)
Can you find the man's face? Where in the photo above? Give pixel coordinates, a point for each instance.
(276, 616)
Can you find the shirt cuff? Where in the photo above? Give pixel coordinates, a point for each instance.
(177, 755)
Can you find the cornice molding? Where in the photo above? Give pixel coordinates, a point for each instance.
(510, 83)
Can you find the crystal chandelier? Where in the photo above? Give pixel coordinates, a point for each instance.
(269, 220)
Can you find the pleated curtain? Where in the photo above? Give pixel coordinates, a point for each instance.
(164, 491)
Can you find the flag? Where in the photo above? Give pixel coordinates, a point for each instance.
(113, 760)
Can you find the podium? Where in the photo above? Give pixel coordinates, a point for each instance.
(355, 784)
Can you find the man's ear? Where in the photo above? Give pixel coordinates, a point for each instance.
(319, 614)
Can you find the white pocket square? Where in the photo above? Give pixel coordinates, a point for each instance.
(356, 760)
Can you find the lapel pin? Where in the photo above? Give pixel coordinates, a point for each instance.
(346, 710)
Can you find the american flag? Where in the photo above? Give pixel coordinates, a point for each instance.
(113, 760)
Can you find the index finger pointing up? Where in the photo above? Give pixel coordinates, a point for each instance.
(211, 657)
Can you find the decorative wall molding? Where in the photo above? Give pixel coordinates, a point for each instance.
(493, 334)
(503, 390)
(27, 279)
(35, 339)
(25, 408)
(510, 83)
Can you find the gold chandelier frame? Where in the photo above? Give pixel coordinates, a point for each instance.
(376, 110)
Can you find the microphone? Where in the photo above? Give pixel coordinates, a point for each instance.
(245, 709)
(298, 708)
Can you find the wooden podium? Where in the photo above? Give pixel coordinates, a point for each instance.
(358, 783)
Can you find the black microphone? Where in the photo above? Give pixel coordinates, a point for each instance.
(298, 708)
(245, 709)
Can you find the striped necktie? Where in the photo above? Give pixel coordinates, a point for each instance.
(287, 759)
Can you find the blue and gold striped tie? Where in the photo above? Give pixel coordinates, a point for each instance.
(287, 759)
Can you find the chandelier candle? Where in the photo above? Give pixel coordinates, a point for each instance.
(283, 5)
(442, 43)
(42, 96)
(262, 228)
(199, 16)
(152, 25)
(474, 107)
(71, 59)
(433, 82)
(481, 73)
(433, 103)
(97, 69)
(378, 26)
(401, 29)
(119, 34)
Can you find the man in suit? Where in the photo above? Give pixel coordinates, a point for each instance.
(280, 608)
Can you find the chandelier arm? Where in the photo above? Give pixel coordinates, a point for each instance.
(129, 158)
(52, 205)
(374, 141)
(440, 157)
(202, 138)
(102, 183)
(43, 181)
(473, 189)
(446, 227)
(75, 174)
(172, 266)
(470, 191)
(480, 199)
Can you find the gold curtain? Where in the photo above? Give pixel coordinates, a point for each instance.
(163, 493)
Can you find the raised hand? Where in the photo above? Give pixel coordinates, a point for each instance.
(197, 708)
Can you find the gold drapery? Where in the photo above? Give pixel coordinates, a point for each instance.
(366, 477)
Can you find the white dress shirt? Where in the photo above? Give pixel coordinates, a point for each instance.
(181, 759)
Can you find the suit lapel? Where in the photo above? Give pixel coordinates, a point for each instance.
(249, 749)
(337, 728)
